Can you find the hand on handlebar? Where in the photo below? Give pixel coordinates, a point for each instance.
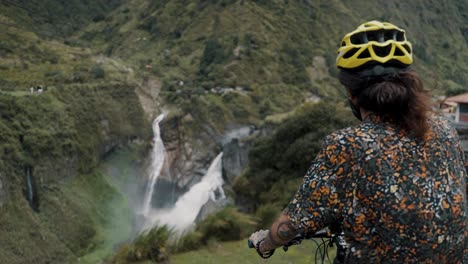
(256, 239)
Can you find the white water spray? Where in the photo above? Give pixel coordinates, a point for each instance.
(182, 216)
(157, 162)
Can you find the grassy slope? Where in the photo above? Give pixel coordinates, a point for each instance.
(74, 200)
(89, 106)
(237, 252)
(29, 60)
(63, 132)
(73, 218)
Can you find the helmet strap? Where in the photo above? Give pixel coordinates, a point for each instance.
(378, 70)
(355, 109)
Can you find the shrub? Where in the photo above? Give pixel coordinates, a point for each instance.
(212, 54)
(98, 18)
(150, 245)
(54, 75)
(98, 72)
(452, 91)
(226, 225)
(267, 214)
(189, 241)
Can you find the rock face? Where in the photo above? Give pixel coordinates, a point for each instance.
(166, 193)
(148, 94)
(235, 159)
(187, 159)
(236, 151)
(319, 68)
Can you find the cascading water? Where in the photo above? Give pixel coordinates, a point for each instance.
(30, 192)
(182, 216)
(157, 162)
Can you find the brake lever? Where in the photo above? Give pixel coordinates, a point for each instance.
(295, 241)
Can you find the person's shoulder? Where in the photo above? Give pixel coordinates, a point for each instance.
(350, 134)
(437, 119)
(441, 124)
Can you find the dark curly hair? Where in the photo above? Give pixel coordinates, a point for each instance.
(399, 96)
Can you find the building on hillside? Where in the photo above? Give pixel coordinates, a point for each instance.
(456, 108)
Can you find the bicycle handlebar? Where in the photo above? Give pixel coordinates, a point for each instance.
(328, 237)
(323, 233)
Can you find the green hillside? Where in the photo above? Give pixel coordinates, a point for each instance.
(272, 54)
(273, 46)
(276, 53)
(221, 64)
(88, 106)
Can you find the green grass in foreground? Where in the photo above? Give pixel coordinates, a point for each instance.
(238, 253)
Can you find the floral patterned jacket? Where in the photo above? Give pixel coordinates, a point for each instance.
(398, 200)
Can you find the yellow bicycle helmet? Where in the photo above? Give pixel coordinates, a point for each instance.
(374, 42)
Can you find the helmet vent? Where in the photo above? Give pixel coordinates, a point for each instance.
(358, 39)
(382, 51)
(400, 36)
(398, 52)
(350, 53)
(376, 35)
(364, 55)
(408, 49)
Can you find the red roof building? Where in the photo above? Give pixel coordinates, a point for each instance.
(460, 107)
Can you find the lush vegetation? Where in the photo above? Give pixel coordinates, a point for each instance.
(148, 246)
(59, 135)
(226, 225)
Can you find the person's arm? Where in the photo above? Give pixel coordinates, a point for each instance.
(280, 233)
(316, 203)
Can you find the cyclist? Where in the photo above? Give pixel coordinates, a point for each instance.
(395, 183)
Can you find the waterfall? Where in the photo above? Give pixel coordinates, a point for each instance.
(31, 192)
(29, 189)
(183, 214)
(157, 162)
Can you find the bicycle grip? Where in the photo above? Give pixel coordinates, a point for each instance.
(250, 244)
